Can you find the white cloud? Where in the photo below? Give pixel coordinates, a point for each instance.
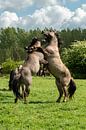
(83, 7)
(78, 19)
(19, 4)
(8, 19)
(55, 16)
(51, 16)
(43, 3)
(15, 4)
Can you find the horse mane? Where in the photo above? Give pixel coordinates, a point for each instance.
(60, 41)
(34, 40)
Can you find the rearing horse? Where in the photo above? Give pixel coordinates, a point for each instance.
(24, 77)
(64, 81)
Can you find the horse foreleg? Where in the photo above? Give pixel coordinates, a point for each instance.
(60, 89)
(43, 61)
(26, 93)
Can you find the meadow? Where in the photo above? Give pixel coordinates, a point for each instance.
(41, 111)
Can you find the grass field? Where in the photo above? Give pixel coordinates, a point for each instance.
(42, 112)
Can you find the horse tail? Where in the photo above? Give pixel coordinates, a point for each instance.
(12, 74)
(10, 85)
(16, 89)
(72, 88)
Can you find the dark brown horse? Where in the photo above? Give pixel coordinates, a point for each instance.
(23, 78)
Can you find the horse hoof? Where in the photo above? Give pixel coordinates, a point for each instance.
(15, 101)
(58, 100)
(65, 100)
(25, 102)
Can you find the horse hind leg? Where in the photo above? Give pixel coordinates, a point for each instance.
(60, 89)
(65, 93)
(24, 93)
(16, 99)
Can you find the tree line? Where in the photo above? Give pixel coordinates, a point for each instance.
(13, 40)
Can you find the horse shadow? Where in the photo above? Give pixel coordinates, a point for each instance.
(41, 102)
(4, 89)
(6, 99)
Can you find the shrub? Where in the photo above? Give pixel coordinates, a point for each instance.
(75, 58)
(8, 65)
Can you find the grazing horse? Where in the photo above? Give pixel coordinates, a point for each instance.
(31, 65)
(64, 81)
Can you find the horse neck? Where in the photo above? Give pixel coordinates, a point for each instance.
(54, 42)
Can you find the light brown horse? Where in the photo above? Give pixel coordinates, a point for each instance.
(64, 81)
(23, 79)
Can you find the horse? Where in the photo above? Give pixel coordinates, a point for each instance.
(63, 79)
(31, 65)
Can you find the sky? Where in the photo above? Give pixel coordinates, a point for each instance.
(32, 14)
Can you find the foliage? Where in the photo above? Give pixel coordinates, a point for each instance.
(9, 65)
(70, 36)
(13, 40)
(42, 112)
(75, 58)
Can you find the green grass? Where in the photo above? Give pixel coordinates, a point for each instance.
(42, 112)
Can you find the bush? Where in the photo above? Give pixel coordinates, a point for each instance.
(75, 58)
(9, 65)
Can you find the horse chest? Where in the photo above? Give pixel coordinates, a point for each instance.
(35, 67)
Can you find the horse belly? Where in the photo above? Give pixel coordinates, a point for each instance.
(58, 69)
(53, 68)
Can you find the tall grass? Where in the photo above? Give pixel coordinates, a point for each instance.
(42, 112)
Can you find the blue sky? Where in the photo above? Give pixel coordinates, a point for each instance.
(75, 5)
(30, 14)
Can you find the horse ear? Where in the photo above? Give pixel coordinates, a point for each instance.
(34, 39)
(42, 32)
(26, 48)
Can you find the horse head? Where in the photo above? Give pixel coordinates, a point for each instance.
(35, 43)
(50, 35)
